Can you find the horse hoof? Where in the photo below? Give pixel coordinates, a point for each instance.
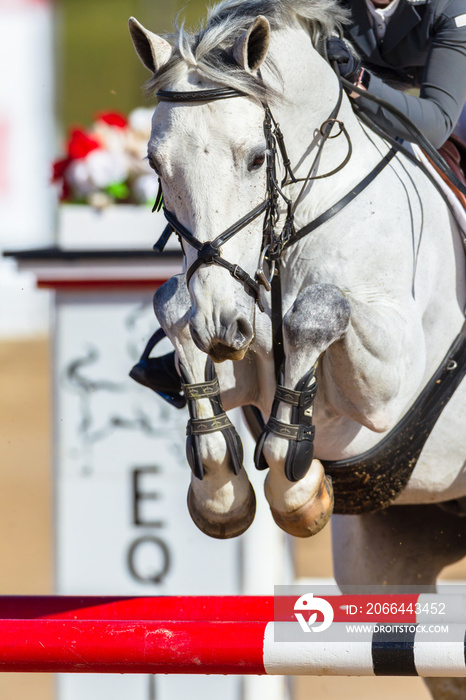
(226, 525)
(312, 516)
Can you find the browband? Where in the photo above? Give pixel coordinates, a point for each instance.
(199, 95)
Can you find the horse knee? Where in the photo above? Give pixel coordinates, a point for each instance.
(172, 303)
(319, 316)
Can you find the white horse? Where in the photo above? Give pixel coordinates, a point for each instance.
(374, 296)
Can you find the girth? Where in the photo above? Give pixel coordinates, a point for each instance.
(373, 480)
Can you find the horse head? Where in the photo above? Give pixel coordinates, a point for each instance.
(213, 151)
(211, 159)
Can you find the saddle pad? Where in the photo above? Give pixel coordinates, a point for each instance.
(450, 192)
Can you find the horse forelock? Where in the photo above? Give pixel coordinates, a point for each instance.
(209, 51)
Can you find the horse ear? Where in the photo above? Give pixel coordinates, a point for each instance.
(251, 47)
(153, 51)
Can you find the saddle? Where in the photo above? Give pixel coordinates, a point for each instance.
(453, 152)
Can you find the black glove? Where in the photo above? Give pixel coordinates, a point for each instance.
(348, 65)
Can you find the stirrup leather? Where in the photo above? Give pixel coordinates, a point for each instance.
(196, 426)
(300, 433)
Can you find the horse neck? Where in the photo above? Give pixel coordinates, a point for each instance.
(311, 92)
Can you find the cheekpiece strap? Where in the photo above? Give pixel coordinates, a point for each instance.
(203, 426)
(204, 390)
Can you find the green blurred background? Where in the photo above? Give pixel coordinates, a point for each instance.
(97, 68)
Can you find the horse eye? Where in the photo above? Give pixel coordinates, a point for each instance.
(257, 162)
(153, 164)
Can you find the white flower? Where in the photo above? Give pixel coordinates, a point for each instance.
(106, 167)
(145, 188)
(140, 120)
(77, 177)
(111, 138)
(96, 171)
(120, 159)
(99, 200)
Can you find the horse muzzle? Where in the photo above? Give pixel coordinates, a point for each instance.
(227, 340)
(219, 352)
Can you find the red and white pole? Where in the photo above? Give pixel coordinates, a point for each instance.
(208, 635)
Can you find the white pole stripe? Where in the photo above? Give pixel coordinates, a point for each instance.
(433, 657)
(316, 657)
(347, 657)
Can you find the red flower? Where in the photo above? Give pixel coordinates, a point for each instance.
(112, 119)
(59, 168)
(66, 193)
(58, 175)
(80, 144)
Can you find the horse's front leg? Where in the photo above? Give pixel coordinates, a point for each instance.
(221, 500)
(299, 494)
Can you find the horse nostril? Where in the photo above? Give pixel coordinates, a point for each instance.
(196, 337)
(235, 331)
(243, 331)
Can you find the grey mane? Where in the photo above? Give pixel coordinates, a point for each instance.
(210, 50)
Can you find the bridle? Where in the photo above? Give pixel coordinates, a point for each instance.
(273, 244)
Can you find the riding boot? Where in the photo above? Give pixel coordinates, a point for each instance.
(159, 374)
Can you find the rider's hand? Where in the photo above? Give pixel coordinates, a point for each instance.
(348, 64)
